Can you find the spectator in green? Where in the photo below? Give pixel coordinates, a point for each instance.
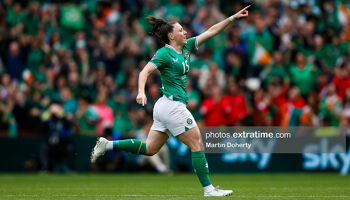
(31, 19)
(261, 37)
(87, 117)
(202, 61)
(304, 41)
(233, 64)
(14, 14)
(36, 58)
(72, 20)
(149, 8)
(69, 103)
(327, 54)
(236, 53)
(122, 125)
(174, 10)
(74, 84)
(55, 42)
(53, 92)
(277, 71)
(344, 44)
(303, 75)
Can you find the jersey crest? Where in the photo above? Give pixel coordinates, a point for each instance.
(186, 54)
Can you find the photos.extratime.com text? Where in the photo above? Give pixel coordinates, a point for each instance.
(245, 134)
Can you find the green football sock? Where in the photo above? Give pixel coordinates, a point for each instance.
(200, 165)
(130, 145)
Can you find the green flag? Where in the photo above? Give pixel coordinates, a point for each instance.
(72, 17)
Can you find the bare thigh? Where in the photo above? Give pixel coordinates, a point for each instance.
(155, 141)
(192, 138)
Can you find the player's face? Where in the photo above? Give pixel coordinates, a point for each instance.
(179, 34)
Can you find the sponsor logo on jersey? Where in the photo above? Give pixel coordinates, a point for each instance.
(154, 57)
(175, 60)
(187, 54)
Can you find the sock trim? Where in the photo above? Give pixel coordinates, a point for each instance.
(206, 183)
(197, 154)
(139, 148)
(115, 145)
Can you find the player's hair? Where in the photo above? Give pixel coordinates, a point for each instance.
(161, 28)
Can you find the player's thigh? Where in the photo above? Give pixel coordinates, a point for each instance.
(155, 141)
(192, 138)
(179, 119)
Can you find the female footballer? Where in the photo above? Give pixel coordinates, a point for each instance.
(170, 112)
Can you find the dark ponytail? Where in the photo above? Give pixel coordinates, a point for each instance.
(161, 28)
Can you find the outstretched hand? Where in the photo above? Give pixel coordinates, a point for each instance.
(241, 13)
(141, 99)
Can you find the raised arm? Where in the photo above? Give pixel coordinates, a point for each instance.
(147, 70)
(217, 28)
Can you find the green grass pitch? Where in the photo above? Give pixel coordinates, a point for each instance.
(178, 186)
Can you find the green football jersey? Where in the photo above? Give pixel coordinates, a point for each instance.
(174, 67)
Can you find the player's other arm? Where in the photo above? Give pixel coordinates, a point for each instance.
(217, 28)
(147, 70)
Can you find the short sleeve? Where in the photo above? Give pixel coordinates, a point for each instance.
(157, 60)
(192, 44)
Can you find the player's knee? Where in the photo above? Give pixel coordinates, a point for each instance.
(195, 145)
(195, 148)
(151, 151)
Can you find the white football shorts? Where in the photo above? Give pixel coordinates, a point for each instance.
(173, 116)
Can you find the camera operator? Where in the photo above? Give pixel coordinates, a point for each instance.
(59, 145)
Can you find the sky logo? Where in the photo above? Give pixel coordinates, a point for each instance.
(262, 159)
(336, 158)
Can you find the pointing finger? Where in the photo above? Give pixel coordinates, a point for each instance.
(246, 7)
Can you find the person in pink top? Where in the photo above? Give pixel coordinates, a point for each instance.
(104, 112)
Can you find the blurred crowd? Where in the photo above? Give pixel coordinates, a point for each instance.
(71, 67)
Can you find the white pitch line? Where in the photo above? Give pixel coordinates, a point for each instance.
(112, 195)
(159, 195)
(311, 196)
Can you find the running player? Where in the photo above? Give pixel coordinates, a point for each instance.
(170, 112)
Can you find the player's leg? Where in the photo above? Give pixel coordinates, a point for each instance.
(180, 122)
(157, 149)
(192, 139)
(154, 142)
